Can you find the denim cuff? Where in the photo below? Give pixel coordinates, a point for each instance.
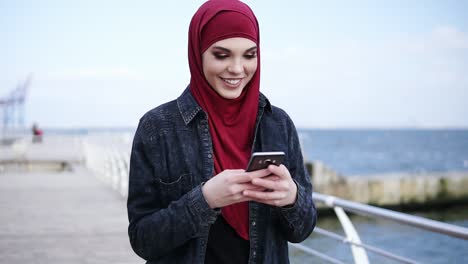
(295, 212)
(199, 207)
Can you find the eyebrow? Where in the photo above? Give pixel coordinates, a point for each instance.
(228, 50)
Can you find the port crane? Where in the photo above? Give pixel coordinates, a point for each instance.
(12, 106)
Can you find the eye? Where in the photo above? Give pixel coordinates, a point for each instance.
(251, 55)
(220, 56)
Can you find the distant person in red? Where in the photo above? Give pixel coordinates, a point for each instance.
(37, 133)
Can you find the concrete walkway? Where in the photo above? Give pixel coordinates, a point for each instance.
(61, 217)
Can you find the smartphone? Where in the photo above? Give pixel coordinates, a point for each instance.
(261, 160)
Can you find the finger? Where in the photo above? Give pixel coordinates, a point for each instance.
(280, 170)
(234, 189)
(249, 186)
(240, 176)
(258, 173)
(237, 176)
(238, 188)
(271, 178)
(275, 195)
(235, 171)
(238, 198)
(277, 185)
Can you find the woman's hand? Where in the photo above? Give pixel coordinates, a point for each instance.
(228, 186)
(282, 190)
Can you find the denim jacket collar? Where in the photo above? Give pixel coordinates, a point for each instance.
(189, 108)
(264, 102)
(187, 105)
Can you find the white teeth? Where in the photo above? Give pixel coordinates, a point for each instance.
(233, 82)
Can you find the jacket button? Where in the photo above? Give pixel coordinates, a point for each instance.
(254, 223)
(209, 156)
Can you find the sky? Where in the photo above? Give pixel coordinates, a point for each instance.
(329, 64)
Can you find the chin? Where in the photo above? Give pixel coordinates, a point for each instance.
(229, 94)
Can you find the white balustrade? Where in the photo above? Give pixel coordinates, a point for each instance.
(108, 156)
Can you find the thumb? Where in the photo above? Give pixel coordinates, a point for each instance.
(277, 170)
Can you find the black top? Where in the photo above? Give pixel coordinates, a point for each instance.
(225, 245)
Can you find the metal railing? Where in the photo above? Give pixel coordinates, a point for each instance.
(352, 238)
(373, 211)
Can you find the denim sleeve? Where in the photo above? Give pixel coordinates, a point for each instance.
(155, 231)
(299, 219)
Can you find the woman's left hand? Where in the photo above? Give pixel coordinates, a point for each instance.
(282, 190)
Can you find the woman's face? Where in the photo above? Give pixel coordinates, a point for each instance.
(229, 65)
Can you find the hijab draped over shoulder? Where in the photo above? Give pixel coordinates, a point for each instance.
(231, 121)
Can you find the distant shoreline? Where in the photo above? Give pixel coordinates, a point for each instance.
(69, 130)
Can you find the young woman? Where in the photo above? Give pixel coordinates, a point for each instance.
(190, 199)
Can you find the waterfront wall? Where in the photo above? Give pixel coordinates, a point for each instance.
(389, 190)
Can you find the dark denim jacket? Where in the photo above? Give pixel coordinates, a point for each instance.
(172, 157)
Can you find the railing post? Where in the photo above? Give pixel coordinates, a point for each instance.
(359, 253)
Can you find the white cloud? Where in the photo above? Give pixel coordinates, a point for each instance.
(450, 37)
(401, 80)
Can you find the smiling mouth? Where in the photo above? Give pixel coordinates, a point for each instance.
(232, 81)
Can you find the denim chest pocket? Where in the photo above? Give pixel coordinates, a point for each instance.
(172, 188)
(173, 163)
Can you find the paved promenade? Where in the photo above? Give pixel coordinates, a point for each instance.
(61, 217)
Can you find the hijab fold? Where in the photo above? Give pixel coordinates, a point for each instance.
(231, 121)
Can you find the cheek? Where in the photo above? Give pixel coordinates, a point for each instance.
(212, 68)
(251, 67)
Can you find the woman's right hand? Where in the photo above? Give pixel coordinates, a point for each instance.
(227, 187)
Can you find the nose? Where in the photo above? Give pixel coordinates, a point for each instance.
(236, 67)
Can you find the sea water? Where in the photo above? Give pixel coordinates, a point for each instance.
(406, 241)
(364, 152)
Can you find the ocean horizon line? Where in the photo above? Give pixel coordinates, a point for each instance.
(298, 128)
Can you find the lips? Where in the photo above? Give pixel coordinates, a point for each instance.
(232, 82)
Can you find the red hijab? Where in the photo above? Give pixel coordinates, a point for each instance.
(231, 121)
